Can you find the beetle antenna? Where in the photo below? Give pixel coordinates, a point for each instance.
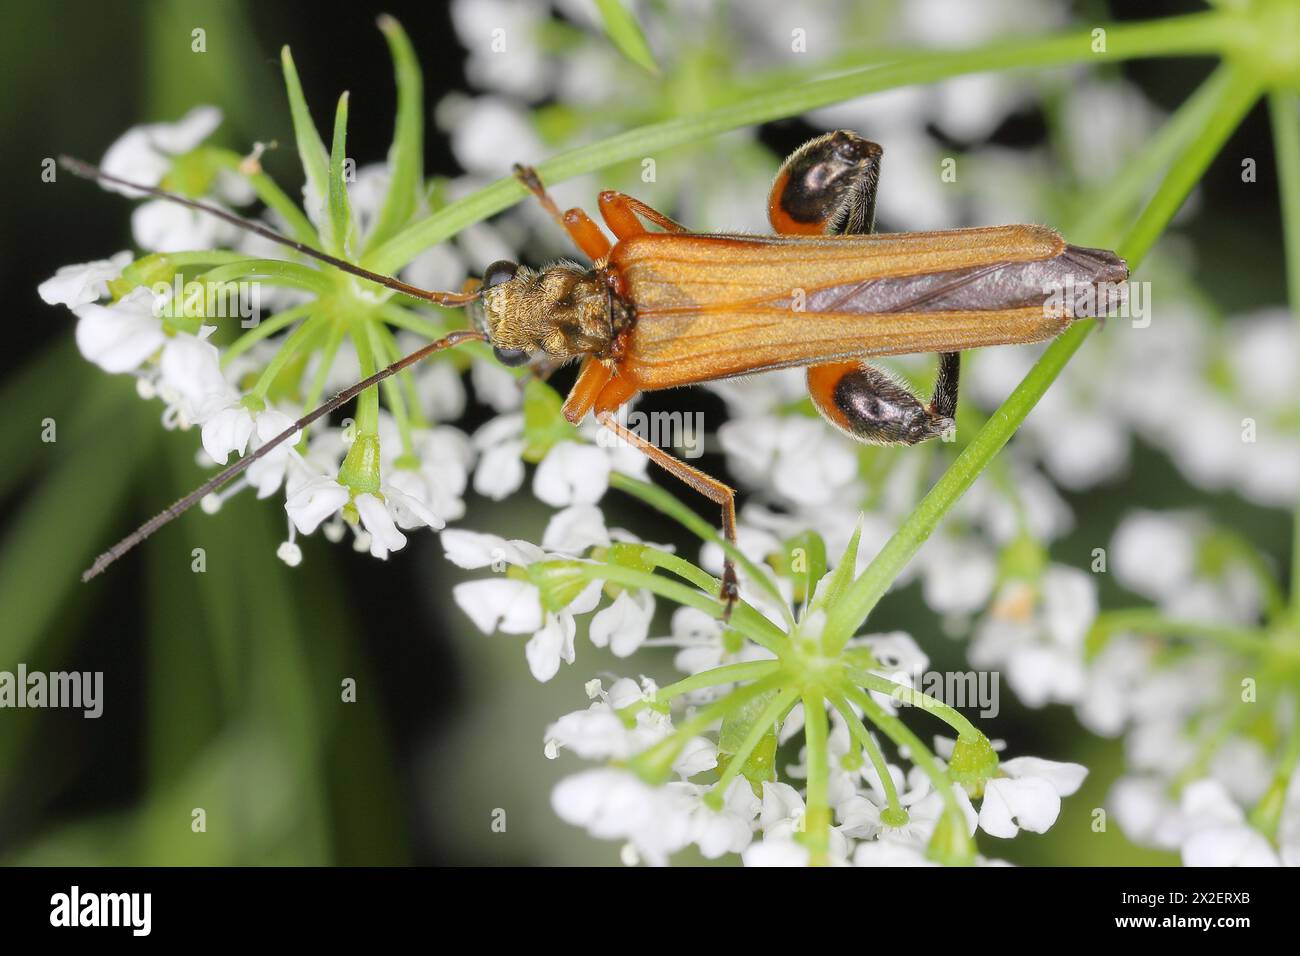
(214, 483)
(86, 171)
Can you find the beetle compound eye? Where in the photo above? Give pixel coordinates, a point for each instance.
(503, 270)
(511, 357)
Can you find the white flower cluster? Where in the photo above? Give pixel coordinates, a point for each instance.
(426, 471)
(1197, 764)
(513, 605)
(1195, 724)
(763, 821)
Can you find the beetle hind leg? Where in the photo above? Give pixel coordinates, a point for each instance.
(870, 405)
(828, 187)
(716, 491)
(944, 402)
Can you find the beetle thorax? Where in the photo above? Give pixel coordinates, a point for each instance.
(562, 311)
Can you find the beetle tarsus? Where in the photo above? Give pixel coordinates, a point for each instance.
(730, 592)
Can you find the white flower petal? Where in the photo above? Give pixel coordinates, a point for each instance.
(470, 550)
(187, 132)
(623, 625)
(378, 522)
(144, 154)
(268, 472)
(698, 755)
(889, 853)
(586, 600)
(781, 851)
(575, 529)
(161, 226)
(495, 386)
(1065, 778)
(500, 470)
(191, 377)
(550, 645)
(571, 473)
(226, 431)
(121, 336)
(500, 603)
(313, 502)
(407, 510)
(1010, 805)
(85, 282)
(1228, 846)
(593, 734)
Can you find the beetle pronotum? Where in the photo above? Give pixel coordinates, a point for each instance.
(659, 309)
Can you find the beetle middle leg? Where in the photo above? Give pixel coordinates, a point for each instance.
(828, 187)
(598, 389)
(871, 406)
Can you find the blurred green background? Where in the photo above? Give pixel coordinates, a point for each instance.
(223, 688)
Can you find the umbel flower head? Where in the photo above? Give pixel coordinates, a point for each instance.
(775, 745)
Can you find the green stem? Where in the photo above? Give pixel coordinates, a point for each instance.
(1266, 815)
(292, 345)
(1235, 98)
(1212, 32)
(270, 193)
(392, 353)
(766, 720)
(655, 763)
(392, 390)
(701, 579)
(1206, 33)
(1291, 756)
(402, 318)
(716, 676)
(679, 566)
(1146, 621)
(817, 758)
(1284, 108)
(1213, 740)
(914, 698)
(294, 275)
(1103, 221)
(333, 341)
(264, 329)
(367, 401)
(176, 260)
(755, 627)
(897, 731)
(1233, 546)
(858, 730)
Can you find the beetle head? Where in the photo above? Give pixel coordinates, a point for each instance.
(559, 312)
